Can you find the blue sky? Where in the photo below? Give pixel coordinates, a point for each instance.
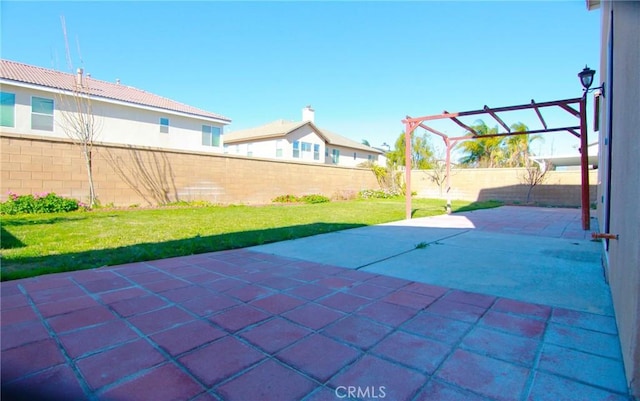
(363, 66)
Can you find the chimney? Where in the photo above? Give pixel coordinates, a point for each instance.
(79, 77)
(308, 114)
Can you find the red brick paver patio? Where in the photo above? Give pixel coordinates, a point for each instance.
(244, 325)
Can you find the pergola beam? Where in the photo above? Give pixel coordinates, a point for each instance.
(495, 117)
(463, 125)
(495, 110)
(535, 107)
(530, 132)
(571, 110)
(412, 123)
(433, 131)
(574, 133)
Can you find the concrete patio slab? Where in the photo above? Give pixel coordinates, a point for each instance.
(550, 271)
(354, 248)
(247, 325)
(538, 255)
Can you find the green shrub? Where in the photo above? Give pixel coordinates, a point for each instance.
(192, 203)
(380, 194)
(286, 199)
(301, 199)
(39, 203)
(315, 199)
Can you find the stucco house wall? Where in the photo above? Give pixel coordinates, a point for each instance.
(116, 122)
(268, 148)
(350, 157)
(266, 140)
(122, 114)
(619, 179)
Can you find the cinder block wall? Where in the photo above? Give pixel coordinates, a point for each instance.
(561, 188)
(126, 175)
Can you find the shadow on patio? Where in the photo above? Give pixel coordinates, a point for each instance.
(252, 324)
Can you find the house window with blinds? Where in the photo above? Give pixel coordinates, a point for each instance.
(164, 125)
(7, 109)
(41, 113)
(211, 135)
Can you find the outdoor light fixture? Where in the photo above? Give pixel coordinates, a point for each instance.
(586, 79)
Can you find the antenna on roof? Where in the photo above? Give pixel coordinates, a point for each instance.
(117, 81)
(66, 43)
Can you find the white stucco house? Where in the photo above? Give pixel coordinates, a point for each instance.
(35, 100)
(300, 141)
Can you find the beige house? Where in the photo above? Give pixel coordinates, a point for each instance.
(619, 169)
(300, 141)
(36, 101)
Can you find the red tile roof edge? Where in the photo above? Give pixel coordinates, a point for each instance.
(39, 76)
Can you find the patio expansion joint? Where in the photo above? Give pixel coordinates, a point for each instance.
(168, 358)
(86, 389)
(455, 346)
(528, 387)
(415, 248)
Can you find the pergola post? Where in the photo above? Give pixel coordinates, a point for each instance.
(412, 122)
(584, 164)
(447, 143)
(408, 129)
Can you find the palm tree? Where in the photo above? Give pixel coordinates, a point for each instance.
(518, 147)
(483, 152)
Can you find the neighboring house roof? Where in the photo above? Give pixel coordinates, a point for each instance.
(28, 74)
(338, 140)
(593, 4)
(274, 129)
(281, 128)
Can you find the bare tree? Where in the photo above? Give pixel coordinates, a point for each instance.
(534, 175)
(148, 173)
(438, 175)
(79, 122)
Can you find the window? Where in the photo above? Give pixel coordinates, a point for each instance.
(370, 157)
(279, 148)
(316, 151)
(226, 148)
(7, 109)
(249, 150)
(210, 135)
(355, 156)
(306, 147)
(296, 149)
(41, 113)
(335, 156)
(164, 125)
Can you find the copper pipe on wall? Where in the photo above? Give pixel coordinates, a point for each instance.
(604, 236)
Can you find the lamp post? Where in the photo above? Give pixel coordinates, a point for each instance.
(586, 79)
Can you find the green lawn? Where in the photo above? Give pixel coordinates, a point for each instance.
(48, 243)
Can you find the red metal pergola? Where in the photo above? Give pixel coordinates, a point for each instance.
(567, 105)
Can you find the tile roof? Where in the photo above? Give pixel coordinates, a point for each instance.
(280, 128)
(339, 140)
(19, 72)
(274, 129)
